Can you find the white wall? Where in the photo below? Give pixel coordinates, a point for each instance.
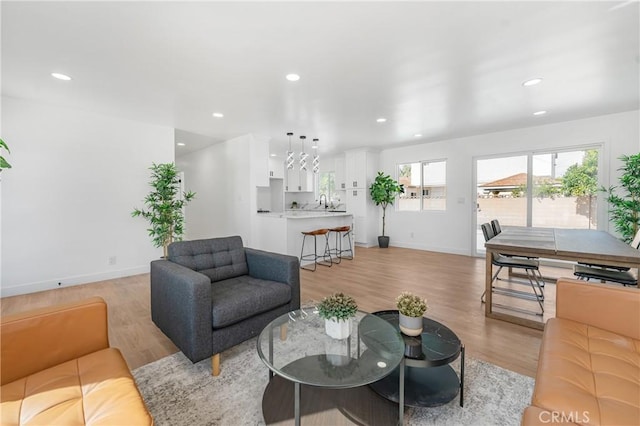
(225, 199)
(450, 231)
(67, 201)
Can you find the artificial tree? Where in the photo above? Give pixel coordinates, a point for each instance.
(164, 207)
(383, 192)
(4, 164)
(624, 200)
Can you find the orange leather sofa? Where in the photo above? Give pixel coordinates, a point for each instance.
(57, 369)
(589, 365)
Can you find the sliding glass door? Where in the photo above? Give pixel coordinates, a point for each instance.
(543, 189)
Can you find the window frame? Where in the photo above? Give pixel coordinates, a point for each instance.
(421, 189)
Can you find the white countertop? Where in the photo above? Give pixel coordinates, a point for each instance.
(302, 214)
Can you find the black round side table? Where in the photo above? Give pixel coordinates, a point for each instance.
(429, 379)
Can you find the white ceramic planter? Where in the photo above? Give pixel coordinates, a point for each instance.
(338, 329)
(411, 326)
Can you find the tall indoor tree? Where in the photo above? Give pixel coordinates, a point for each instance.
(4, 164)
(384, 190)
(164, 206)
(624, 200)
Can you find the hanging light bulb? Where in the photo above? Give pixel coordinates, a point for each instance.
(303, 155)
(290, 154)
(316, 157)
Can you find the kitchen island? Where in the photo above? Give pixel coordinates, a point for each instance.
(282, 232)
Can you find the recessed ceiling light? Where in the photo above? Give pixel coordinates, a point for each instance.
(293, 77)
(381, 120)
(60, 76)
(274, 155)
(418, 135)
(540, 113)
(180, 144)
(532, 82)
(314, 146)
(218, 115)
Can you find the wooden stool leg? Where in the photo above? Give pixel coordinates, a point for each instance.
(215, 365)
(283, 332)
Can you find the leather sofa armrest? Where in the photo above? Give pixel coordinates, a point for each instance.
(36, 340)
(609, 307)
(276, 267)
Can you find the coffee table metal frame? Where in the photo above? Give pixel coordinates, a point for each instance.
(378, 336)
(423, 352)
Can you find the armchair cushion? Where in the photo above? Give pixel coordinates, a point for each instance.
(217, 258)
(239, 298)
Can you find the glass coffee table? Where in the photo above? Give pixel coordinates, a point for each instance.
(295, 347)
(429, 379)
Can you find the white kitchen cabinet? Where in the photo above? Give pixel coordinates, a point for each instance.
(339, 178)
(276, 168)
(360, 168)
(297, 181)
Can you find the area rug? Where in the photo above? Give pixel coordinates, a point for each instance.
(178, 392)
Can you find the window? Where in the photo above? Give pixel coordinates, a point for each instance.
(327, 186)
(424, 186)
(551, 189)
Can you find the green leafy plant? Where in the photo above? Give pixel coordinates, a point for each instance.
(164, 207)
(624, 200)
(383, 192)
(338, 307)
(411, 305)
(4, 164)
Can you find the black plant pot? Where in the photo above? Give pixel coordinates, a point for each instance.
(383, 242)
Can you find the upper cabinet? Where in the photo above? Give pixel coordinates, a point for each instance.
(339, 173)
(360, 168)
(298, 181)
(276, 168)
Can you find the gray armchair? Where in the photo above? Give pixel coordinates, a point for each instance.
(210, 295)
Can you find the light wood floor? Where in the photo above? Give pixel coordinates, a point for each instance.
(452, 284)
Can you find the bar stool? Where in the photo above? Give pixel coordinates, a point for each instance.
(314, 256)
(341, 232)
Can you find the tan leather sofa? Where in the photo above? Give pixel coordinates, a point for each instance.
(589, 365)
(57, 369)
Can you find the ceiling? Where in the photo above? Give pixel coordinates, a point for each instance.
(437, 69)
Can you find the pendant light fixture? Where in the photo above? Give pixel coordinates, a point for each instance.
(290, 154)
(316, 157)
(303, 155)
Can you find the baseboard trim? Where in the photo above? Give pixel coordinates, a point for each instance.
(71, 281)
(438, 249)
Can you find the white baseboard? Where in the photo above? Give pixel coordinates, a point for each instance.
(425, 247)
(71, 281)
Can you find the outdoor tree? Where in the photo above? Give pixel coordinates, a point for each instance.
(581, 180)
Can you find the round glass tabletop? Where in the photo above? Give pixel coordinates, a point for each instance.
(296, 347)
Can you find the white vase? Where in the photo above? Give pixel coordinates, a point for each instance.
(411, 326)
(337, 329)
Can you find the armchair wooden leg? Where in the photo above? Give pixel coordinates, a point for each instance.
(283, 332)
(215, 365)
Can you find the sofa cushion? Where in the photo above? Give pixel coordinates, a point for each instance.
(588, 371)
(238, 298)
(95, 389)
(217, 258)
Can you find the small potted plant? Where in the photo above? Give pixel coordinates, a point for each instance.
(411, 308)
(337, 311)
